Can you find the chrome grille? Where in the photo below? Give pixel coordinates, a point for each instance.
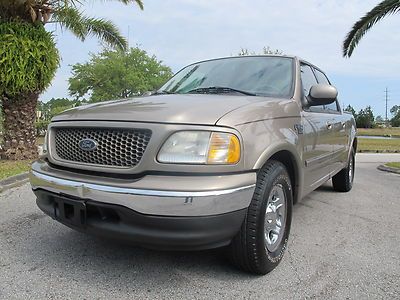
(115, 147)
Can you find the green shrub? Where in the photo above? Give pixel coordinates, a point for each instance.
(41, 127)
(28, 58)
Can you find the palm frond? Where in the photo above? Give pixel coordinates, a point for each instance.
(41, 10)
(138, 2)
(386, 7)
(72, 19)
(106, 31)
(82, 27)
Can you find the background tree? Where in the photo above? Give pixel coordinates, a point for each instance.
(29, 59)
(47, 110)
(395, 111)
(350, 108)
(379, 119)
(265, 51)
(383, 9)
(365, 118)
(115, 74)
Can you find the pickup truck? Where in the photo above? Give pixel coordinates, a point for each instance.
(215, 158)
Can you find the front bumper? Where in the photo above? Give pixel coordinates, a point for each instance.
(156, 232)
(153, 194)
(169, 212)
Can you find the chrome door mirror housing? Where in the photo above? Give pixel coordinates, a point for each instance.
(322, 94)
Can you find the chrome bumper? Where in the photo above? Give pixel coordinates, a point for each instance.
(156, 201)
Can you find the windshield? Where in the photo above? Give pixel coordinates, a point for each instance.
(258, 75)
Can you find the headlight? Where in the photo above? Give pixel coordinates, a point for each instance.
(200, 147)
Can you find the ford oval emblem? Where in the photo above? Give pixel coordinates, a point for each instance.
(88, 144)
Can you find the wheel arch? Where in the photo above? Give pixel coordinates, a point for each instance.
(354, 145)
(288, 157)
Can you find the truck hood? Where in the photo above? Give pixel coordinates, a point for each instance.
(204, 109)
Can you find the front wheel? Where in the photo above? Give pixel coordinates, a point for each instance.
(343, 181)
(262, 240)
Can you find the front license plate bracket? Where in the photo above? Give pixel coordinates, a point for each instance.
(72, 212)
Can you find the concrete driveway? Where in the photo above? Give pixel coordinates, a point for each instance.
(341, 246)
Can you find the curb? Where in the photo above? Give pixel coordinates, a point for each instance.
(378, 151)
(389, 169)
(13, 181)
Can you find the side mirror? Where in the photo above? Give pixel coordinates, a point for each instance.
(322, 94)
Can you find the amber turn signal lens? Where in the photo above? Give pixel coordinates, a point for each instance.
(224, 148)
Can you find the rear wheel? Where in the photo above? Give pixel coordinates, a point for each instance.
(262, 240)
(343, 181)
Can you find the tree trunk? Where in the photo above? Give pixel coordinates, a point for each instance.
(19, 139)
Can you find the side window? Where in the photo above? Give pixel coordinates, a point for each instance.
(321, 77)
(308, 80)
(332, 107)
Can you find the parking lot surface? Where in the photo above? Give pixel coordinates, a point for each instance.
(342, 245)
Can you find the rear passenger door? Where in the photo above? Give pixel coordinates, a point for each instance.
(318, 136)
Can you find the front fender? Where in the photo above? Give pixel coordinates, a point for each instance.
(276, 148)
(275, 138)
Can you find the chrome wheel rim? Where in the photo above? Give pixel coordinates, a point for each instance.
(275, 218)
(351, 166)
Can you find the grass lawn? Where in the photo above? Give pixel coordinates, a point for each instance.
(394, 164)
(10, 167)
(395, 131)
(378, 145)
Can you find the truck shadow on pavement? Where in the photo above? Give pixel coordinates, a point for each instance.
(99, 259)
(58, 256)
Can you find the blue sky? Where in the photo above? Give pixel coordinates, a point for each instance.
(183, 31)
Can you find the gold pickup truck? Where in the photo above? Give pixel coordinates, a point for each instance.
(215, 158)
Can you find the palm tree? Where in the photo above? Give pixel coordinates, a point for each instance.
(67, 14)
(29, 60)
(387, 7)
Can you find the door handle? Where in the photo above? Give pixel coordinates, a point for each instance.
(328, 125)
(344, 124)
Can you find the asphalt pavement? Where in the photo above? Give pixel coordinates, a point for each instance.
(342, 245)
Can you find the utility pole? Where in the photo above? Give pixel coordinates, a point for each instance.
(386, 99)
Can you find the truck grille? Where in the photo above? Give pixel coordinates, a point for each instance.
(113, 146)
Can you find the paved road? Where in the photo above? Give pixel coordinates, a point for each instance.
(341, 246)
(377, 157)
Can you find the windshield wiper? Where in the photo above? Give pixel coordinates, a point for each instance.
(163, 92)
(219, 89)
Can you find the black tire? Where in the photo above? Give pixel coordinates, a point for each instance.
(343, 181)
(248, 250)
